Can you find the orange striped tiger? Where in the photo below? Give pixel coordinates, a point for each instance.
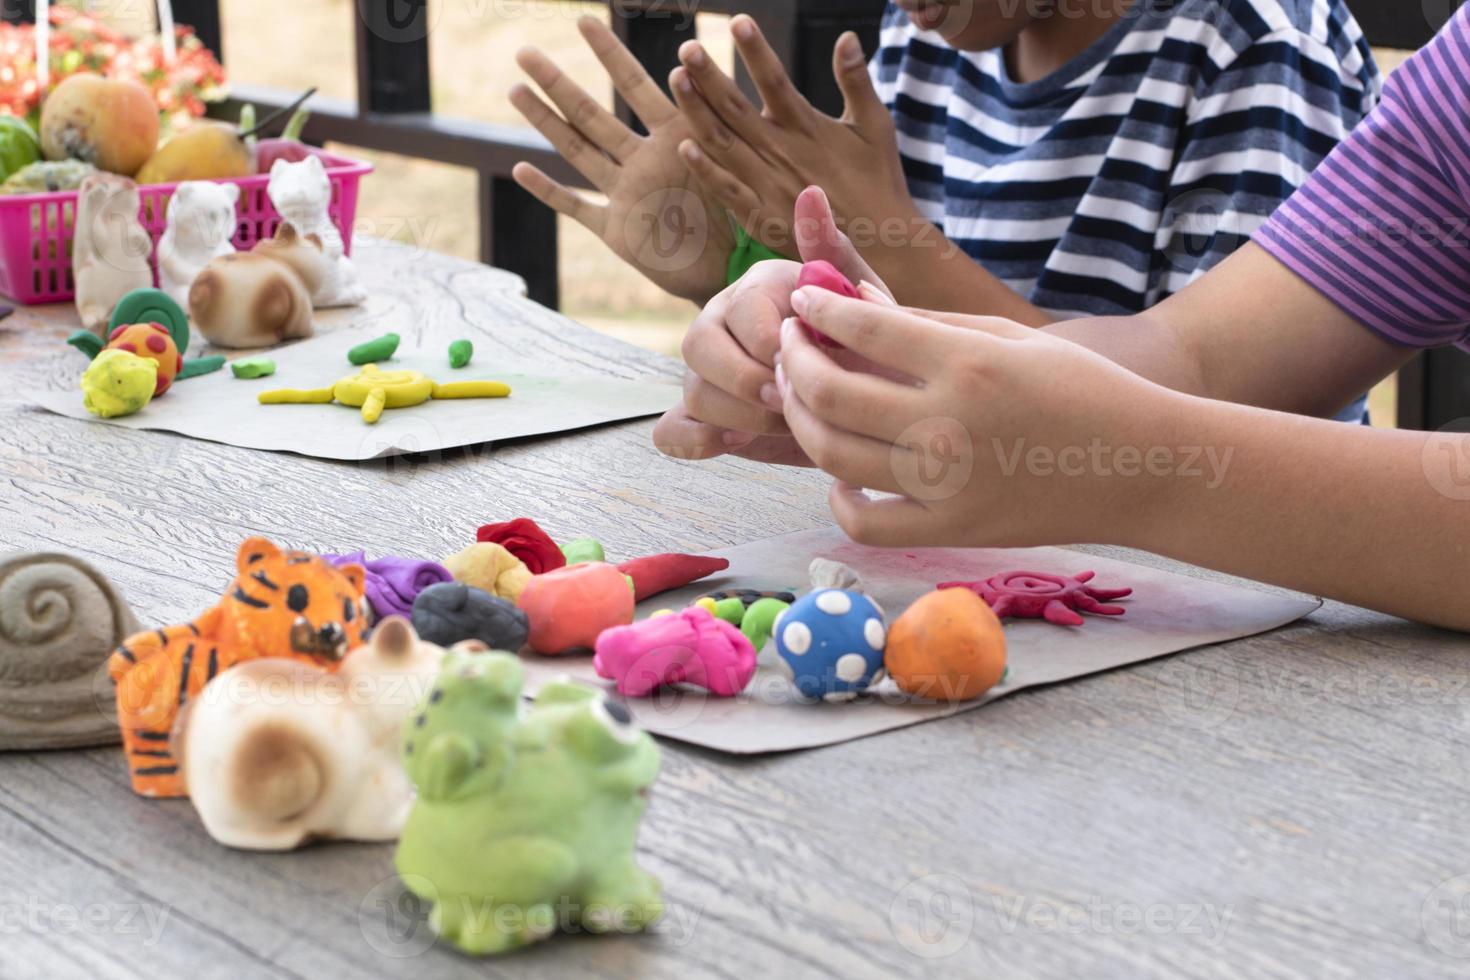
(282, 604)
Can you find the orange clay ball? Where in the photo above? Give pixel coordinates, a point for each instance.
(153, 341)
(570, 606)
(947, 646)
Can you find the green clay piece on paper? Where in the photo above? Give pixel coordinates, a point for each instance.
(731, 610)
(194, 367)
(253, 367)
(372, 351)
(118, 383)
(150, 305)
(86, 341)
(524, 816)
(460, 353)
(583, 549)
(760, 620)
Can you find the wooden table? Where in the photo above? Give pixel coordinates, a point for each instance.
(1289, 806)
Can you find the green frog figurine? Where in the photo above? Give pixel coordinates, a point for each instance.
(524, 820)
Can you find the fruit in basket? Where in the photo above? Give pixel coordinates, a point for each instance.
(207, 150)
(110, 123)
(19, 146)
(47, 176)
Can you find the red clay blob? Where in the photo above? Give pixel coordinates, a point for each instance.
(824, 275)
(1037, 595)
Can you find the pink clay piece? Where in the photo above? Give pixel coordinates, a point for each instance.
(689, 647)
(1037, 595)
(824, 275)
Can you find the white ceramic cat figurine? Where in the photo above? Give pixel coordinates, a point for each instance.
(201, 222)
(301, 192)
(109, 253)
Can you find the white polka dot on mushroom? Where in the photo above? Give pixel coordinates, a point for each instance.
(797, 638)
(874, 633)
(834, 603)
(851, 667)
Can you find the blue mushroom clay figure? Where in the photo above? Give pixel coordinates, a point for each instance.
(830, 644)
(524, 821)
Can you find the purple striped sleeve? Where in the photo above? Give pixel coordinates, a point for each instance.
(1382, 228)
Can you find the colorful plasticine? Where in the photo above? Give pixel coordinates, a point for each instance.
(947, 646)
(522, 818)
(689, 647)
(524, 538)
(824, 275)
(831, 644)
(118, 383)
(373, 390)
(270, 773)
(660, 573)
(583, 549)
(282, 604)
(570, 607)
(150, 340)
(196, 366)
(149, 305)
(377, 349)
(452, 612)
(460, 353)
(393, 583)
(253, 367)
(491, 568)
(1038, 595)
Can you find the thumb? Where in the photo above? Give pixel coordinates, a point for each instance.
(862, 107)
(819, 238)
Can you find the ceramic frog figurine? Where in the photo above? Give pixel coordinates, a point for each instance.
(524, 819)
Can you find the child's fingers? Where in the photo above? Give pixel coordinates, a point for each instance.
(846, 455)
(629, 78)
(996, 326)
(578, 108)
(561, 198)
(679, 435)
(590, 162)
(730, 191)
(889, 522)
(716, 356)
(884, 335)
(862, 107)
(707, 402)
(782, 101)
(723, 96)
(860, 403)
(727, 144)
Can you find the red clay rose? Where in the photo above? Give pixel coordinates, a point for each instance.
(524, 538)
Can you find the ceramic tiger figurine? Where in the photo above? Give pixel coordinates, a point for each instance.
(282, 604)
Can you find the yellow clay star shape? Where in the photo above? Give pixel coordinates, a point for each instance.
(373, 390)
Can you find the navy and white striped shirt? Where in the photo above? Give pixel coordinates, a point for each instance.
(1115, 181)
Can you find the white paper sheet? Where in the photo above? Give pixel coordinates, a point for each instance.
(219, 407)
(1167, 613)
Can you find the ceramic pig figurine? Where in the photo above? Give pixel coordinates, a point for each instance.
(523, 817)
(301, 192)
(261, 297)
(201, 222)
(276, 752)
(110, 248)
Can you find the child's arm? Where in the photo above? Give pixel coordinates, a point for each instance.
(767, 158)
(1017, 438)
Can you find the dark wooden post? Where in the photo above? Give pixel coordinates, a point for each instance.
(18, 11)
(393, 55)
(653, 32)
(203, 16)
(802, 33)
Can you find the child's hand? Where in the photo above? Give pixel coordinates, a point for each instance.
(730, 400)
(657, 217)
(1005, 436)
(757, 162)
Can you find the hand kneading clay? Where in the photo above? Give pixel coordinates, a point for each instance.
(571, 606)
(948, 646)
(690, 647)
(522, 818)
(118, 383)
(59, 619)
(451, 612)
(831, 644)
(269, 772)
(282, 604)
(824, 275)
(490, 567)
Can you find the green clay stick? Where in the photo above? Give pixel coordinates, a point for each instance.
(460, 353)
(253, 367)
(196, 366)
(760, 620)
(378, 349)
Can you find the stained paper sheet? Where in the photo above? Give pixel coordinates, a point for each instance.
(1167, 613)
(219, 407)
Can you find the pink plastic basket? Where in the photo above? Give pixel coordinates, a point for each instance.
(36, 229)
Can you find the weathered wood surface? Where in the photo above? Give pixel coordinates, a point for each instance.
(1287, 806)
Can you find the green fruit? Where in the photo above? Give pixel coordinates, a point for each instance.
(19, 146)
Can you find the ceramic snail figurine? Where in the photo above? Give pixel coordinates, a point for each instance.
(522, 817)
(201, 224)
(261, 297)
(59, 619)
(301, 192)
(282, 604)
(689, 647)
(276, 753)
(110, 247)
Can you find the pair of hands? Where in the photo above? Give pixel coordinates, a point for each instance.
(965, 422)
(712, 161)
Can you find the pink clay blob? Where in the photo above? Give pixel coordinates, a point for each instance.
(690, 647)
(824, 275)
(1038, 595)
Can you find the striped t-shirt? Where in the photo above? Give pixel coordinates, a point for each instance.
(1115, 181)
(1383, 227)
